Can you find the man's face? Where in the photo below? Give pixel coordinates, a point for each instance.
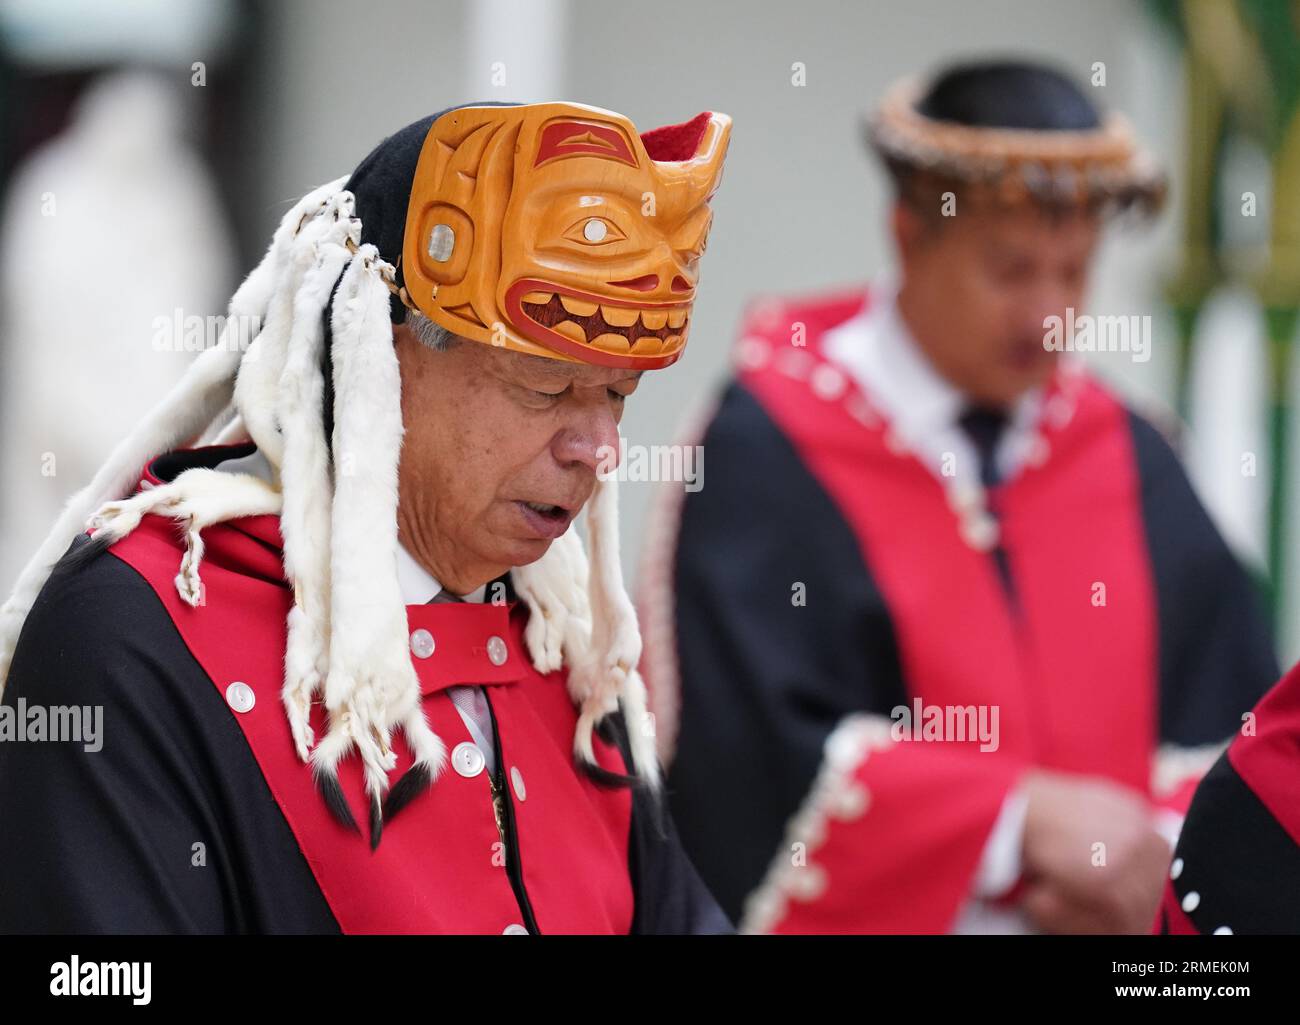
(500, 453)
(978, 286)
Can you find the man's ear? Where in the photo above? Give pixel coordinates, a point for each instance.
(909, 229)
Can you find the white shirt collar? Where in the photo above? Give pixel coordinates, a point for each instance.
(419, 586)
(876, 348)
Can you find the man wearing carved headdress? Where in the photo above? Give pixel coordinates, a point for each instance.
(357, 671)
(947, 639)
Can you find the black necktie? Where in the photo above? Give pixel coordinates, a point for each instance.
(984, 427)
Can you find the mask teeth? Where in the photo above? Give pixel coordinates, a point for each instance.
(613, 329)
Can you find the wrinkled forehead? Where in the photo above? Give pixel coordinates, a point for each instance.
(525, 365)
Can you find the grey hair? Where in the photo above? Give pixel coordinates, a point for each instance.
(435, 336)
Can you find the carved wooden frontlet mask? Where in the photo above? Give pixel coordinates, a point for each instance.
(556, 229)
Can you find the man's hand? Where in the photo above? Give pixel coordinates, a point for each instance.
(1093, 862)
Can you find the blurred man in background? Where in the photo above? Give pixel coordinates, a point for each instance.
(945, 596)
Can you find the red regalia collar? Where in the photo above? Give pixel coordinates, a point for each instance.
(461, 631)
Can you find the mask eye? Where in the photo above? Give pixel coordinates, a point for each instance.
(594, 231)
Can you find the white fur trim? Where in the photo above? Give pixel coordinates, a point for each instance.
(233, 432)
(580, 616)
(834, 796)
(555, 590)
(258, 384)
(372, 685)
(183, 414)
(224, 429)
(305, 475)
(606, 674)
(199, 498)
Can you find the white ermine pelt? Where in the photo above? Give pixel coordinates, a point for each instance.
(555, 590)
(187, 410)
(606, 673)
(305, 478)
(198, 498)
(372, 685)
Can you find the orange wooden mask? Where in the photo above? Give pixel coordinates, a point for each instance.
(556, 229)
